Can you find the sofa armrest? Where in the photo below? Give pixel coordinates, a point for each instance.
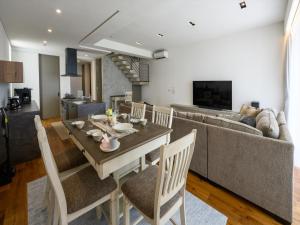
(257, 168)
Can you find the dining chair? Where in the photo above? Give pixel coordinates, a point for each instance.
(80, 192)
(162, 116)
(68, 162)
(159, 191)
(138, 110)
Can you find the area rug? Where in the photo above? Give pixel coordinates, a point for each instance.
(61, 130)
(197, 212)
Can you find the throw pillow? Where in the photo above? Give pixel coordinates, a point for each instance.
(249, 111)
(268, 125)
(263, 113)
(281, 118)
(249, 120)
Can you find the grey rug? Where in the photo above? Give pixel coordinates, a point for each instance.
(197, 212)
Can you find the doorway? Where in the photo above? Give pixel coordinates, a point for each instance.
(49, 86)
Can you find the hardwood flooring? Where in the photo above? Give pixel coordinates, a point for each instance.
(13, 197)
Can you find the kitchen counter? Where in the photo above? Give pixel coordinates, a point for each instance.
(26, 108)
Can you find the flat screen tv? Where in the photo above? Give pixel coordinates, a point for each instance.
(213, 94)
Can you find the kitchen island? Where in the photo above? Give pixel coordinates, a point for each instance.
(80, 108)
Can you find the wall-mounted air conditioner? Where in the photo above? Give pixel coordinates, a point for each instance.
(161, 54)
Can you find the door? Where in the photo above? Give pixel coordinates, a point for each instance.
(99, 80)
(49, 86)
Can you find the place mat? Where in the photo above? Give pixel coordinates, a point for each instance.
(111, 131)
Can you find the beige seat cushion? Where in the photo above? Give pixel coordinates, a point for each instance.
(140, 190)
(69, 159)
(230, 124)
(268, 125)
(153, 156)
(85, 188)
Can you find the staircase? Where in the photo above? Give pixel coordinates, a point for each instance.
(133, 68)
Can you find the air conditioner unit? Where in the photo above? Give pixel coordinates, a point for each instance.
(161, 54)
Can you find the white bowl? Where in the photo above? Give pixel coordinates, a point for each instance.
(97, 136)
(123, 115)
(122, 127)
(135, 120)
(78, 124)
(99, 117)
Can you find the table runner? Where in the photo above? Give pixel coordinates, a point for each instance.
(111, 131)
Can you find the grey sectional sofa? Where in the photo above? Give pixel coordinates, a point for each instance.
(238, 158)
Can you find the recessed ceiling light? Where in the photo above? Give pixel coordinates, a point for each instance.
(45, 42)
(243, 4)
(138, 43)
(192, 23)
(50, 30)
(160, 35)
(58, 11)
(86, 55)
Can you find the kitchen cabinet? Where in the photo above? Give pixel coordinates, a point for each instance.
(23, 141)
(11, 72)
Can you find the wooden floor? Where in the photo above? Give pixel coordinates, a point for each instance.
(13, 197)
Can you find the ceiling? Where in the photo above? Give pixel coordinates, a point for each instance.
(27, 21)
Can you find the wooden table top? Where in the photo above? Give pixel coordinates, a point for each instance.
(145, 134)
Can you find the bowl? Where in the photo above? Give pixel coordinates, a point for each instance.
(123, 116)
(97, 136)
(78, 124)
(143, 122)
(122, 127)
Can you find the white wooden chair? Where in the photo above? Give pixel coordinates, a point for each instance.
(80, 192)
(158, 192)
(68, 162)
(138, 110)
(162, 116)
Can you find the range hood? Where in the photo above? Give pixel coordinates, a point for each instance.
(71, 63)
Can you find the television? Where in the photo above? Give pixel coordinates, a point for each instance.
(213, 94)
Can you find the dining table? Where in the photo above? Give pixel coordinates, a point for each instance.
(128, 158)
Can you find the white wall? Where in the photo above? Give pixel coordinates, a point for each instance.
(252, 59)
(30, 59)
(5, 52)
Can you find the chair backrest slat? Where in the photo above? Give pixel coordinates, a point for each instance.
(162, 116)
(52, 173)
(173, 168)
(37, 122)
(138, 110)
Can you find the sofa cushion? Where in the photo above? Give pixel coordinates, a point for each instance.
(265, 112)
(281, 118)
(285, 134)
(189, 115)
(249, 120)
(268, 125)
(221, 122)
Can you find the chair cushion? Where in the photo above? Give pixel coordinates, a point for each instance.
(153, 156)
(85, 187)
(140, 190)
(69, 159)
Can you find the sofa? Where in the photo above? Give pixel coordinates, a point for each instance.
(239, 158)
